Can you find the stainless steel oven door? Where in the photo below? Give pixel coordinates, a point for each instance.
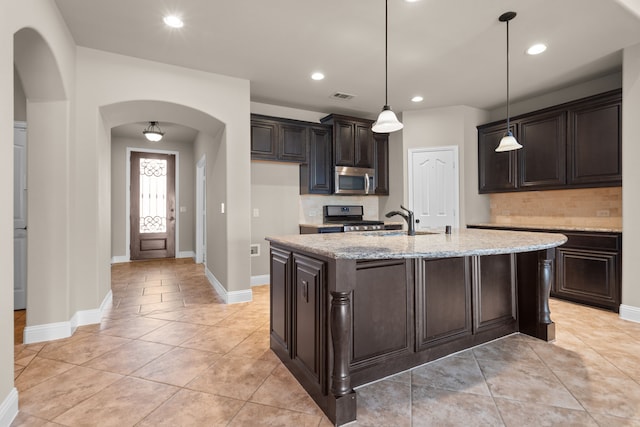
(350, 180)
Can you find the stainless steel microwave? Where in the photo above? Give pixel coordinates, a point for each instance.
(350, 180)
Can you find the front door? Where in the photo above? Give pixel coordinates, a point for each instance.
(433, 181)
(19, 216)
(153, 205)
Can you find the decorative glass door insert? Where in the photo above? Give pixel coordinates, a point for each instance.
(153, 195)
(152, 205)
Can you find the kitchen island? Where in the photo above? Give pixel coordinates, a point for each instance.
(351, 308)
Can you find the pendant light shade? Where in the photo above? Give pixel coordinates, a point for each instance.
(153, 132)
(387, 120)
(508, 141)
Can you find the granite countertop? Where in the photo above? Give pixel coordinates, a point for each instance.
(396, 244)
(549, 227)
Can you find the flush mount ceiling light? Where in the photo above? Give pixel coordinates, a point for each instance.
(173, 21)
(508, 141)
(317, 76)
(417, 98)
(153, 132)
(387, 120)
(537, 49)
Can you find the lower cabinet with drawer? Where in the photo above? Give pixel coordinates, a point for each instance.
(588, 269)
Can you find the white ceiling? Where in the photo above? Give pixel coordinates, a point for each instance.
(452, 52)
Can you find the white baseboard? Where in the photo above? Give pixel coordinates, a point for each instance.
(9, 408)
(263, 279)
(232, 297)
(186, 254)
(58, 330)
(628, 312)
(119, 259)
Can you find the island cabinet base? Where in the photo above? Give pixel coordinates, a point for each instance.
(341, 323)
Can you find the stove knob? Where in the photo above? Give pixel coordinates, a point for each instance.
(356, 227)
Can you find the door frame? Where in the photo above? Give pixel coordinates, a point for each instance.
(127, 228)
(201, 210)
(456, 180)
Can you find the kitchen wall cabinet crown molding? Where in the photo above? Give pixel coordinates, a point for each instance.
(573, 145)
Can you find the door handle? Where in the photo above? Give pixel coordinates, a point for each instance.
(172, 219)
(366, 183)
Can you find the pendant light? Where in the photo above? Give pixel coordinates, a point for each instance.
(153, 132)
(508, 141)
(387, 120)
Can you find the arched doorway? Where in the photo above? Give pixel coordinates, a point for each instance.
(40, 239)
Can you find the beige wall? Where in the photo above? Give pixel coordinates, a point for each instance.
(439, 127)
(275, 193)
(631, 179)
(186, 190)
(53, 61)
(19, 99)
(592, 87)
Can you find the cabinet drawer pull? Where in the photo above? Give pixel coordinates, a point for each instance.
(305, 290)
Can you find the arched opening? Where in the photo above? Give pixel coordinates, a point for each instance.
(195, 136)
(41, 160)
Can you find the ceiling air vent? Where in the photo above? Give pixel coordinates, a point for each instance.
(341, 95)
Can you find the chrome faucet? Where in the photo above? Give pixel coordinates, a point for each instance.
(407, 217)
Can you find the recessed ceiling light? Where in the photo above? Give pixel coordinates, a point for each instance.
(173, 21)
(417, 98)
(537, 49)
(317, 76)
(412, 1)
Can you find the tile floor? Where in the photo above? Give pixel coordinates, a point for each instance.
(169, 353)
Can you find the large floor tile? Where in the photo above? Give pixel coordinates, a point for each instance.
(40, 370)
(123, 403)
(128, 357)
(56, 395)
(234, 377)
(83, 350)
(217, 340)
(255, 415)
(437, 407)
(452, 373)
(131, 328)
(519, 414)
(384, 403)
(177, 367)
(174, 333)
(193, 408)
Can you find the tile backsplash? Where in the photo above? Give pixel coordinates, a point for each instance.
(311, 206)
(587, 207)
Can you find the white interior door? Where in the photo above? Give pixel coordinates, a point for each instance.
(433, 186)
(19, 216)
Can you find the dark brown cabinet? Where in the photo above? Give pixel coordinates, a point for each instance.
(308, 308)
(280, 299)
(543, 157)
(497, 172)
(589, 269)
(278, 139)
(494, 292)
(352, 141)
(595, 142)
(315, 175)
(573, 145)
(441, 280)
(381, 162)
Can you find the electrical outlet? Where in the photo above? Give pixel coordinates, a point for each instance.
(183, 209)
(255, 249)
(313, 212)
(603, 212)
(256, 212)
(222, 207)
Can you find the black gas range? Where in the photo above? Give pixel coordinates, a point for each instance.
(349, 218)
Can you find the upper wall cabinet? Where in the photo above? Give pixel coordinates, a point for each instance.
(572, 145)
(595, 141)
(278, 139)
(353, 143)
(315, 175)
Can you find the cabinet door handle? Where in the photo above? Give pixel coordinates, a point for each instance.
(305, 290)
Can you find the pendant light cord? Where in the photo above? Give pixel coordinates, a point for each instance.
(508, 115)
(386, 48)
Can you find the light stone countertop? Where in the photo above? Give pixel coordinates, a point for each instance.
(551, 228)
(396, 244)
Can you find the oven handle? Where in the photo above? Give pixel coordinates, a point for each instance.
(366, 185)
